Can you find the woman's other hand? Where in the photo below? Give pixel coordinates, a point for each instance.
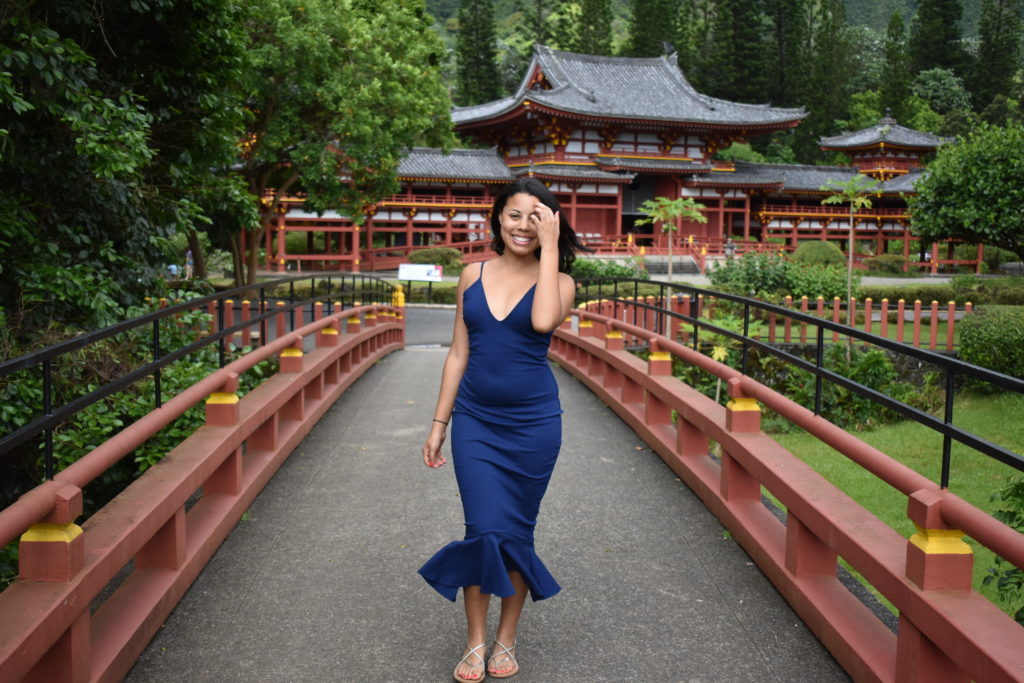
(432, 456)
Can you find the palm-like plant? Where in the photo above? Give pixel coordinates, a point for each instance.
(667, 212)
(856, 193)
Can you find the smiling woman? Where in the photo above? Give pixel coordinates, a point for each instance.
(498, 391)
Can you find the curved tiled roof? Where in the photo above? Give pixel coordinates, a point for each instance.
(903, 183)
(887, 131)
(459, 164)
(664, 165)
(624, 87)
(572, 172)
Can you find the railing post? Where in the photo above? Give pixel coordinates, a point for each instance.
(53, 550)
(937, 556)
(806, 555)
(328, 336)
(291, 357)
(222, 406)
(352, 325)
(742, 414)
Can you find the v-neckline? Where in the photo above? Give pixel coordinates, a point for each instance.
(487, 301)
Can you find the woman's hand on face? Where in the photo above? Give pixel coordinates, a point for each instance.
(545, 222)
(432, 456)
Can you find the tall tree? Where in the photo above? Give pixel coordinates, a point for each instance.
(895, 87)
(828, 93)
(652, 25)
(475, 49)
(113, 125)
(737, 63)
(593, 35)
(936, 40)
(787, 58)
(999, 33)
(340, 92)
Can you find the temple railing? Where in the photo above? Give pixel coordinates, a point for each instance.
(946, 631)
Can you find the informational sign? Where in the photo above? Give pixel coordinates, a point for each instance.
(422, 272)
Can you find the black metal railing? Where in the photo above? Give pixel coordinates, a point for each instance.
(626, 292)
(344, 290)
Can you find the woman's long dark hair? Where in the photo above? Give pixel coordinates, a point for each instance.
(568, 242)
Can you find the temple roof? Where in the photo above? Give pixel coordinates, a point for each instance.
(794, 177)
(652, 165)
(652, 89)
(457, 164)
(575, 172)
(885, 131)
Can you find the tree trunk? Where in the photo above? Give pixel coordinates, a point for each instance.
(198, 257)
(237, 259)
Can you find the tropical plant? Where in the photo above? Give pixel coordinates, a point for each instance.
(854, 193)
(668, 212)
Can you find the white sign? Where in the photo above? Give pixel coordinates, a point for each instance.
(424, 272)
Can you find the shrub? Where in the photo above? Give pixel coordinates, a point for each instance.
(753, 273)
(886, 263)
(910, 293)
(583, 268)
(818, 252)
(816, 280)
(993, 337)
(448, 258)
(1009, 579)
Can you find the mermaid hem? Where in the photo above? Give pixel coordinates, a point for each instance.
(485, 561)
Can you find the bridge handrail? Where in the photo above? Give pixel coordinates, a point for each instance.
(54, 416)
(34, 505)
(947, 631)
(951, 366)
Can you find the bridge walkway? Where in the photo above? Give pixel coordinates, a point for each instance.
(318, 582)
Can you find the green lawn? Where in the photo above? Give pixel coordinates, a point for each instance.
(973, 477)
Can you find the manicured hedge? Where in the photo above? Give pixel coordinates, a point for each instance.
(993, 337)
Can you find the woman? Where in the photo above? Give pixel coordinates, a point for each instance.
(498, 391)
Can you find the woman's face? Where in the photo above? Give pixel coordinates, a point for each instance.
(517, 230)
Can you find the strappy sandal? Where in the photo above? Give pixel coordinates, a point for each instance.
(472, 653)
(510, 658)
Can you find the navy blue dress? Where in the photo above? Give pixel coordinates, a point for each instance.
(506, 432)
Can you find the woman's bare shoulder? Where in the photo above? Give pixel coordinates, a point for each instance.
(470, 274)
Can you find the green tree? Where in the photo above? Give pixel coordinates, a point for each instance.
(787, 63)
(593, 34)
(652, 24)
(737, 63)
(999, 33)
(669, 212)
(973, 191)
(831, 73)
(339, 92)
(475, 49)
(935, 38)
(115, 124)
(895, 88)
(855, 193)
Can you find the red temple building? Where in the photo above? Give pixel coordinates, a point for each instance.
(606, 134)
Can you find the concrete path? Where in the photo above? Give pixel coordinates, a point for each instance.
(319, 583)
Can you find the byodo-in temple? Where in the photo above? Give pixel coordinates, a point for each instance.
(606, 134)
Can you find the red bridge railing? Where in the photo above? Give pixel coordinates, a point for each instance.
(166, 525)
(947, 631)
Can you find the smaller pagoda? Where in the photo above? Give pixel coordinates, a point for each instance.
(886, 149)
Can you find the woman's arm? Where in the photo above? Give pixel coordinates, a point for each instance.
(555, 291)
(454, 367)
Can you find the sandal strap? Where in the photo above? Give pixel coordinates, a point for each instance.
(505, 651)
(472, 652)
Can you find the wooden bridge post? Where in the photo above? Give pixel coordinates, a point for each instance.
(291, 357)
(54, 551)
(222, 406)
(937, 559)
